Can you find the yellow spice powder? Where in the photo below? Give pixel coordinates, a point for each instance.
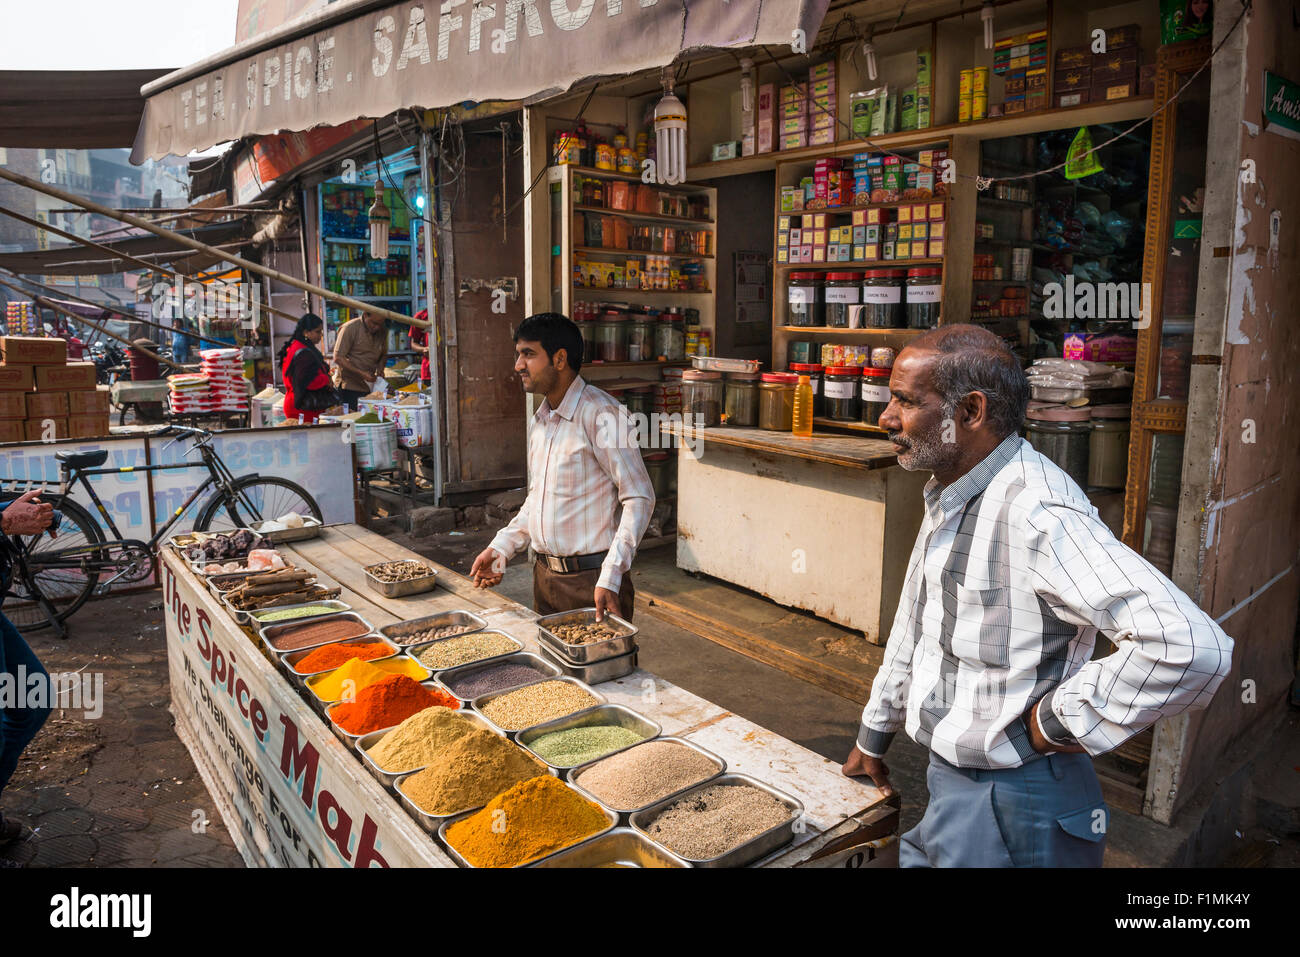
(362, 673)
(532, 819)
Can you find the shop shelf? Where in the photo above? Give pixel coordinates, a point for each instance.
(860, 264)
(622, 293)
(627, 177)
(848, 209)
(850, 426)
(649, 217)
(831, 330)
(639, 252)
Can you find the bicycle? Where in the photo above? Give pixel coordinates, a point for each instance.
(53, 577)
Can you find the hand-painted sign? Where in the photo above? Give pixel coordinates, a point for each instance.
(1281, 106)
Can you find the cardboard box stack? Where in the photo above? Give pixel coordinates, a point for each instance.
(1082, 76)
(903, 231)
(44, 396)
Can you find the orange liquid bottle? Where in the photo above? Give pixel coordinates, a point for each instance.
(803, 408)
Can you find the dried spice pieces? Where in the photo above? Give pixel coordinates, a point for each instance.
(288, 614)
(585, 633)
(404, 571)
(431, 634)
(387, 703)
(497, 678)
(713, 820)
(543, 816)
(419, 739)
(647, 773)
(332, 656)
(472, 770)
(466, 649)
(525, 707)
(356, 674)
(574, 746)
(305, 636)
(287, 586)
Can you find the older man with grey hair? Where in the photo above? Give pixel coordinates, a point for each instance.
(989, 661)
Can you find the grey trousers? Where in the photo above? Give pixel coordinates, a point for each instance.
(1047, 813)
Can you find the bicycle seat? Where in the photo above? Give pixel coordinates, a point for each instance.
(83, 460)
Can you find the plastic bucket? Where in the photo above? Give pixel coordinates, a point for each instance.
(376, 444)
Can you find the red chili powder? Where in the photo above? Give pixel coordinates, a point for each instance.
(329, 657)
(386, 703)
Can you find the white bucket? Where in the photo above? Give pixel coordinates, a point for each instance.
(376, 444)
(414, 424)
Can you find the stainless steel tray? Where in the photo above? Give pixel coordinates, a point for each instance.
(607, 669)
(311, 683)
(351, 739)
(332, 603)
(412, 586)
(290, 659)
(450, 675)
(482, 700)
(416, 650)
(390, 778)
(277, 628)
(396, 631)
(718, 364)
(756, 847)
(230, 579)
(455, 854)
(573, 774)
(588, 653)
(605, 714)
(621, 847)
(310, 529)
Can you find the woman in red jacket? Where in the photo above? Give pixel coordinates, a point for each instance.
(307, 388)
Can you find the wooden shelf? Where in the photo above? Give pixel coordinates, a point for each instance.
(640, 252)
(627, 178)
(861, 264)
(619, 293)
(850, 209)
(850, 426)
(597, 364)
(832, 330)
(650, 217)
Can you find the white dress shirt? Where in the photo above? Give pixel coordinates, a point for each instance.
(588, 489)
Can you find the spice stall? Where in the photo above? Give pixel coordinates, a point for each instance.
(299, 790)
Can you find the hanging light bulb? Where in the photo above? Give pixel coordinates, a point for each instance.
(380, 218)
(986, 14)
(670, 135)
(747, 84)
(869, 49)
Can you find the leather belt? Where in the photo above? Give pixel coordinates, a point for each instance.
(574, 563)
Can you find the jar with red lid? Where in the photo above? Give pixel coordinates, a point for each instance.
(875, 395)
(804, 297)
(840, 385)
(776, 401)
(924, 296)
(813, 370)
(882, 299)
(842, 291)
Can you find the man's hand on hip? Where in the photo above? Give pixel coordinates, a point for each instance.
(606, 603)
(862, 765)
(1039, 741)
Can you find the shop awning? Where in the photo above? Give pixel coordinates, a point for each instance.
(369, 58)
(74, 260)
(71, 109)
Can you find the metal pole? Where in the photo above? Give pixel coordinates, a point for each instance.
(431, 303)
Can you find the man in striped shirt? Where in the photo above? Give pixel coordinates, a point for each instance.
(589, 495)
(989, 662)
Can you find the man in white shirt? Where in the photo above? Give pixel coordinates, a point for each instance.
(589, 495)
(989, 662)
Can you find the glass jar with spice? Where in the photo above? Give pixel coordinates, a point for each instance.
(806, 306)
(742, 399)
(640, 338)
(1063, 435)
(875, 395)
(1108, 446)
(670, 342)
(657, 466)
(702, 395)
(841, 291)
(840, 385)
(611, 337)
(776, 401)
(813, 371)
(639, 400)
(924, 297)
(882, 299)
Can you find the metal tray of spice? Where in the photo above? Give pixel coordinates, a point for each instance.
(455, 854)
(402, 630)
(418, 649)
(268, 629)
(404, 586)
(452, 676)
(621, 847)
(742, 854)
(290, 659)
(278, 629)
(605, 714)
(314, 681)
(480, 702)
(350, 739)
(220, 584)
(572, 775)
(587, 652)
(607, 669)
(390, 778)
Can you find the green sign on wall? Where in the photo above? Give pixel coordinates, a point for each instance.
(1281, 106)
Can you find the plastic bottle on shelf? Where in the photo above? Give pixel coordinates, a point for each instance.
(803, 408)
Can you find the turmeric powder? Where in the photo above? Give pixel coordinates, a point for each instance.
(531, 819)
(332, 687)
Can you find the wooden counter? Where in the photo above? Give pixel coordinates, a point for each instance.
(843, 450)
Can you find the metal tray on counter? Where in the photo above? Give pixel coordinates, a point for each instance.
(449, 675)
(310, 529)
(289, 659)
(351, 739)
(270, 628)
(572, 775)
(605, 714)
(592, 651)
(621, 847)
(397, 632)
(478, 703)
(746, 853)
(417, 649)
(412, 586)
(390, 778)
(311, 683)
(456, 856)
(607, 669)
(230, 579)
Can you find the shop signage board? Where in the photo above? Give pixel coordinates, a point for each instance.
(291, 793)
(1281, 106)
(356, 60)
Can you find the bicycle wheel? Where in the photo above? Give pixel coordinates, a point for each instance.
(256, 498)
(66, 589)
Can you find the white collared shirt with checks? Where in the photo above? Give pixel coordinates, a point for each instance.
(1012, 578)
(588, 489)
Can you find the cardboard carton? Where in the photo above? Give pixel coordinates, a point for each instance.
(33, 350)
(35, 429)
(47, 405)
(74, 375)
(17, 377)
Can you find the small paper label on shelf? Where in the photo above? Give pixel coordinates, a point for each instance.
(875, 393)
(882, 294)
(839, 390)
(801, 294)
(923, 294)
(842, 294)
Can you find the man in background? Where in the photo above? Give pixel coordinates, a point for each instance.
(360, 352)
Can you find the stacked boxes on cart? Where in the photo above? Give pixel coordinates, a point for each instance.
(1021, 61)
(1082, 76)
(45, 397)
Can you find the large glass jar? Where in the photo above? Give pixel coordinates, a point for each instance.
(611, 338)
(924, 297)
(659, 466)
(639, 400)
(1062, 434)
(804, 296)
(776, 401)
(742, 399)
(813, 371)
(842, 291)
(841, 385)
(587, 326)
(875, 395)
(882, 299)
(670, 341)
(641, 339)
(1108, 446)
(702, 397)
